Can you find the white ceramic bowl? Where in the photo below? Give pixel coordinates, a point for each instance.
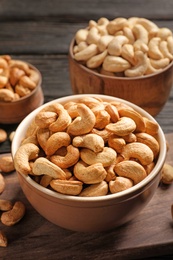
(90, 213)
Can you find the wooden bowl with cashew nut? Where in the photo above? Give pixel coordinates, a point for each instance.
(20, 89)
(130, 59)
(91, 189)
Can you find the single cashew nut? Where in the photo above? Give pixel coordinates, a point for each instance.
(164, 33)
(90, 141)
(165, 51)
(140, 33)
(127, 52)
(154, 50)
(129, 34)
(84, 123)
(6, 163)
(81, 35)
(2, 183)
(43, 166)
(68, 187)
(115, 46)
(6, 95)
(115, 64)
(93, 36)
(86, 53)
(13, 216)
(123, 127)
(56, 141)
(68, 160)
(151, 27)
(3, 135)
(5, 205)
(139, 151)
(43, 135)
(95, 190)
(24, 154)
(106, 157)
(132, 170)
(120, 184)
(97, 60)
(141, 66)
(159, 64)
(91, 174)
(167, 174)
(102, 119)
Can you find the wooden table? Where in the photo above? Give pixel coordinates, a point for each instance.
(40, 32)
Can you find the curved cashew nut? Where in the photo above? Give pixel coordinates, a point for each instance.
(116, 25)
(138, 118)
(106, 157)
(91, 174)
(104, 41)
(141, 66)
(97, 60)
(115, 64)
(56, 141)
(165, 51)
(140, 33)
(94, 190)
(159, 64)
(150, 141)
(43, 135)
(117, 143)
(62, 121)
(151, 27)
(102, 25)
(120, 184)
(151, 69)
(81, 35)
(90, 141)
(93, 36)
(81, 46)
(132, 170)
(115, 46)
(129, 34)
(68, 160)
(127, 52)
(14, 215)
(164, 33)
(44, 118)
(84, 123)
(43, 166)
(151, 127)
(138, 150)
(71, 108)
(68, 187)
(86, 53)
(123, 127)
(154, 50)
(6, 95)
(24, 154)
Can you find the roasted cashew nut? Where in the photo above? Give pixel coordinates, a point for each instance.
(95, 190)
(24, 154)
(44, 118)
(106, 157)
(132, 170)
(56, 141)
(68, 160)
(120, 184)
(91, 174)
(90, 141)
(14, 215)
(123, 127)
(138, 151)
(43, 166)
(84, 123)
(68, 187)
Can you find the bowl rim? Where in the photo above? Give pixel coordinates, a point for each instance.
(136, 189)
(31, 93)
(88, 70)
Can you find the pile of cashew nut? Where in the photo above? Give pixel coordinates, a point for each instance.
(124, 47)
(17, 79)
(89, 147)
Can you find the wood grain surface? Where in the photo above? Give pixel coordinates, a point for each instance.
(40, 32)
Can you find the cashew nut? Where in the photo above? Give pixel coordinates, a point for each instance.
(127, 52)
(159, 64)
(95, 190)
(84, 123)
(91, 174)
(13, 216)
(117, 143)
(93, 36)
(23, 155)
(56, 141)
(141, 66)
(104, 41)
(115, 64)
(5, 205)
(154, 50)
(124, 126)
(140, 33)
(43, 166)
(151, 127)
(164, 49)
(139, 151)
(86, 53)
(68, 187)
(116, 25)
(44, 118)
(6, 163)
(167, 174)
(132, 170)
(90, 141)
(97, 60)
(164, 33)
(151, 27)
(102, 119)
(68, 160)
(115, 46)
(81, 35)
(2, 183)
(120, 184)
(6, 95)
(106, 157)
(3, 239)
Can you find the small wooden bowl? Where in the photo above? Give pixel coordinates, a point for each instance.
(150, 92)
(15, 111)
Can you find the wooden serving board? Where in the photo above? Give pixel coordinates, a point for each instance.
(150, 234)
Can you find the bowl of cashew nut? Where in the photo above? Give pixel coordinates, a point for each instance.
(89, 162)
(20, 89)
(130, 58)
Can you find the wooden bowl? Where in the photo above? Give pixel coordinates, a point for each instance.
(15, 111)
(150, 92)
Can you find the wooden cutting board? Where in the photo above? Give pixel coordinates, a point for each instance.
(150, 234)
